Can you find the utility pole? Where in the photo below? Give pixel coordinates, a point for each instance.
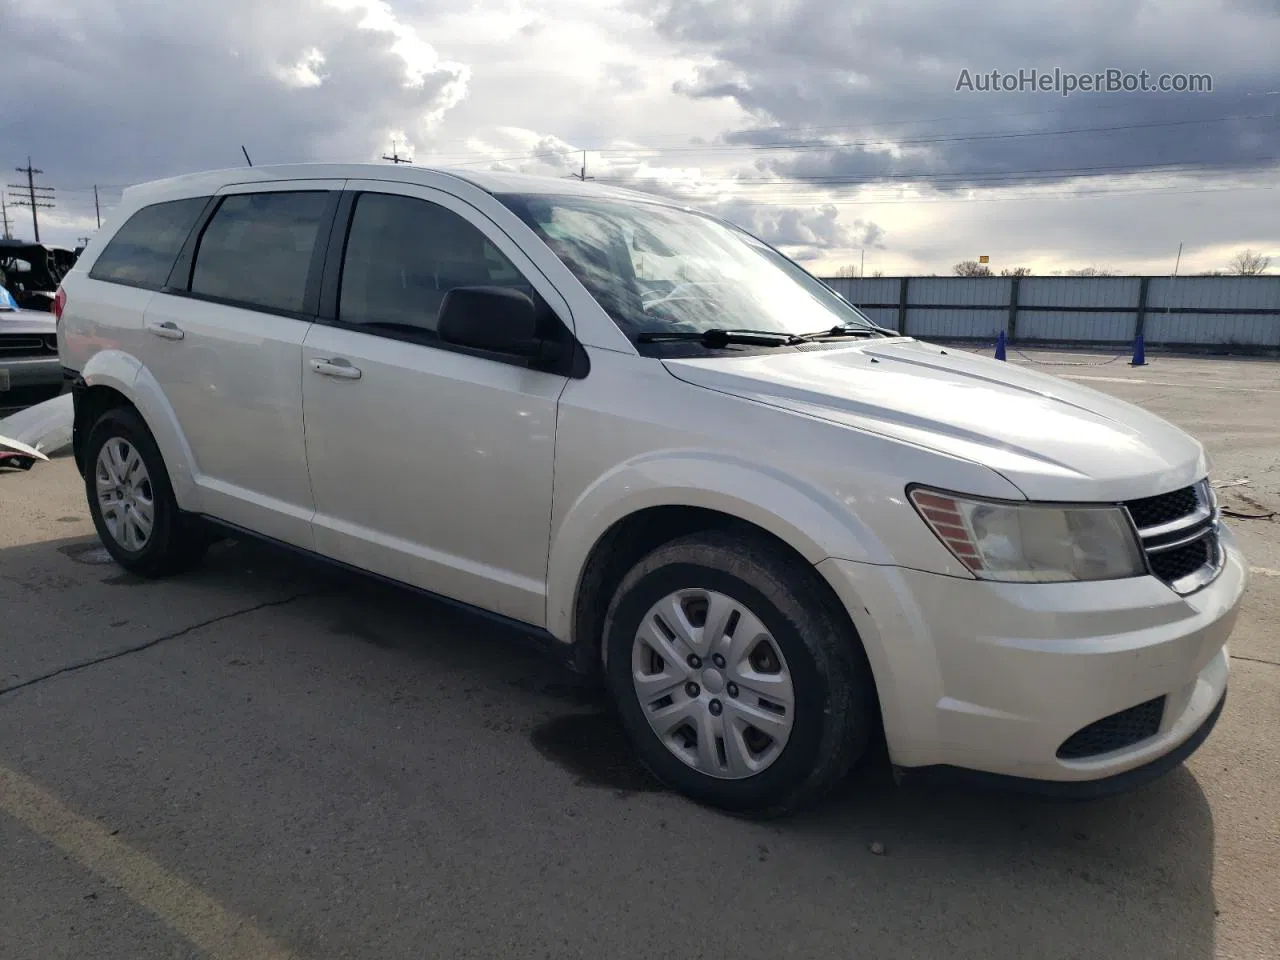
(97, 211)
(1168, 303)
(37, 197)
(4, 217)
(395, 157)
(583, 174)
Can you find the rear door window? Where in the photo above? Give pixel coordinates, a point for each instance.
(257, 250)
(143, 251)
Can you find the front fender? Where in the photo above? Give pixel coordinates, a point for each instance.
(127, 375)
(814, 523)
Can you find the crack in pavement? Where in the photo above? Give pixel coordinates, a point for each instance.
(1270, 663)
(267, 604)
(138, 648)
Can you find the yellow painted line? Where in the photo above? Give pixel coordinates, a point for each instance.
(206, 924)
(1264, 571)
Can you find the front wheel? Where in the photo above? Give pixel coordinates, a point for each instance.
(736, 681)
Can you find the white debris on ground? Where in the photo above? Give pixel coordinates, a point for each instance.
(45, 427)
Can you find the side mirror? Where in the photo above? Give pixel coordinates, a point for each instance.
(495, 319)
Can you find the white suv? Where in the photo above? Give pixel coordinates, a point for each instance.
(649, 438)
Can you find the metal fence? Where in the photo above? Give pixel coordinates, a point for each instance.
(1238, 313)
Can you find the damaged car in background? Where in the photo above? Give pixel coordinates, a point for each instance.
(30, 371)
(31, 272)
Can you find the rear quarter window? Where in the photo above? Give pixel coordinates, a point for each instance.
(143, 251)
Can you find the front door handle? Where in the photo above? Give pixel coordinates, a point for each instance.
(168, 330)
(337, 367)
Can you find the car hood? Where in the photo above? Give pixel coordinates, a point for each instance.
(1053, 439)
(27, 321)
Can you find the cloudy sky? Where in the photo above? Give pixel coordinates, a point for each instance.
(833, 128)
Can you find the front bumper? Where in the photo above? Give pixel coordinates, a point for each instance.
(995, 678)
(1070, 789)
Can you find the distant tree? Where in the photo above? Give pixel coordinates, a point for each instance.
(1091, 272)
(971, 268)
(1016, 272)
(1247, 263)
(848, 270)
(1210, 273)
(877, 273)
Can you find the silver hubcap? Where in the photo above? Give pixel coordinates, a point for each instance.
(124, 494)
(713, 684)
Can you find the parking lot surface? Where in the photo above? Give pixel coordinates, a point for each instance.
(268, 759)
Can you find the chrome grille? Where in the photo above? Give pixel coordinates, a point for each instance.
(1179, 534)
(1153, 511)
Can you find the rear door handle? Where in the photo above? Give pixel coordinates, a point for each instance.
(168, 330)
(337, 367)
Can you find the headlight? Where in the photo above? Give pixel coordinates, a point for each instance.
(1030, 543)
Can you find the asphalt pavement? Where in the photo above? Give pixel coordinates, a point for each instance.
(269, 759)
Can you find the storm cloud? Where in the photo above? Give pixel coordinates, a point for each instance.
(885, 73)
(128, 90)
(830, 129)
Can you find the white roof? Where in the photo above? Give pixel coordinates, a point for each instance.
(489, 181)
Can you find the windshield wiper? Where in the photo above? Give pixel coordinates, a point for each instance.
(834, 332)
(719, 337)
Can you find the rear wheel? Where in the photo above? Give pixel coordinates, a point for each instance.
(132, 503)
(737, 682)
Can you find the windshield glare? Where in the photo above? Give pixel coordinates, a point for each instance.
(656, 269)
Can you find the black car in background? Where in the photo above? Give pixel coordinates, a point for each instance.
(31, 272)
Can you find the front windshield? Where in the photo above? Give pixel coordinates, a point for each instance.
(657, 269)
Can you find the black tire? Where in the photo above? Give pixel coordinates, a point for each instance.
(834, 693)
(177, 542)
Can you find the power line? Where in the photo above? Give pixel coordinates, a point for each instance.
(960, 138)
(823, 200)
(114, 187)
(986, 177)
(37, 197)
(829, 145)
(467, 159)
(801, 146)
(542, 155)
(982, 178)
(972, 116)
(1075, 107)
